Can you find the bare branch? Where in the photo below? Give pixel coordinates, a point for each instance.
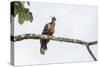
(62, 39)
(69, 40)
(92, 55)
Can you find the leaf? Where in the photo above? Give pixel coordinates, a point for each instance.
(23, 13)
(15, 11)
(20, 17)
(30, 17)
(26, 14)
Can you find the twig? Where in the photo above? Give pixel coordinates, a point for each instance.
(90, 52)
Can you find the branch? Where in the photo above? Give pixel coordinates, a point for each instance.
(38, 36)
(92, 55)
(69, 40)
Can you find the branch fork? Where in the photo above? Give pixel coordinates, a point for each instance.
(61, 39)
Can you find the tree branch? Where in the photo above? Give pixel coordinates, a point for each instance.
(38, 36)
(92, 55)
(69, 40)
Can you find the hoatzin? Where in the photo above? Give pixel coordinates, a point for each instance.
(49, 29)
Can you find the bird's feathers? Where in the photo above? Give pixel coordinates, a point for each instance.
(48, 30)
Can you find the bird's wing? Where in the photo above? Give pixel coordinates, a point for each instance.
(46, 29)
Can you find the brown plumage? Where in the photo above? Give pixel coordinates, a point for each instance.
(49, 29)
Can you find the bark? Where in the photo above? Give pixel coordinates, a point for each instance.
(61, 39)
(90, 52)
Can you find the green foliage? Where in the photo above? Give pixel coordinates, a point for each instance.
(23, 13)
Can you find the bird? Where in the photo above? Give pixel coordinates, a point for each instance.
(48, 30)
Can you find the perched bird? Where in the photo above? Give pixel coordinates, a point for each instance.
(49, 29)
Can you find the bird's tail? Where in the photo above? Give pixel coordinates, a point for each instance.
(43, 49)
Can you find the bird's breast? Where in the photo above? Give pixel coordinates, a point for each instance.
(52, 29)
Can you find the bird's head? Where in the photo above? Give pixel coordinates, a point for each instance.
(53, 19)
